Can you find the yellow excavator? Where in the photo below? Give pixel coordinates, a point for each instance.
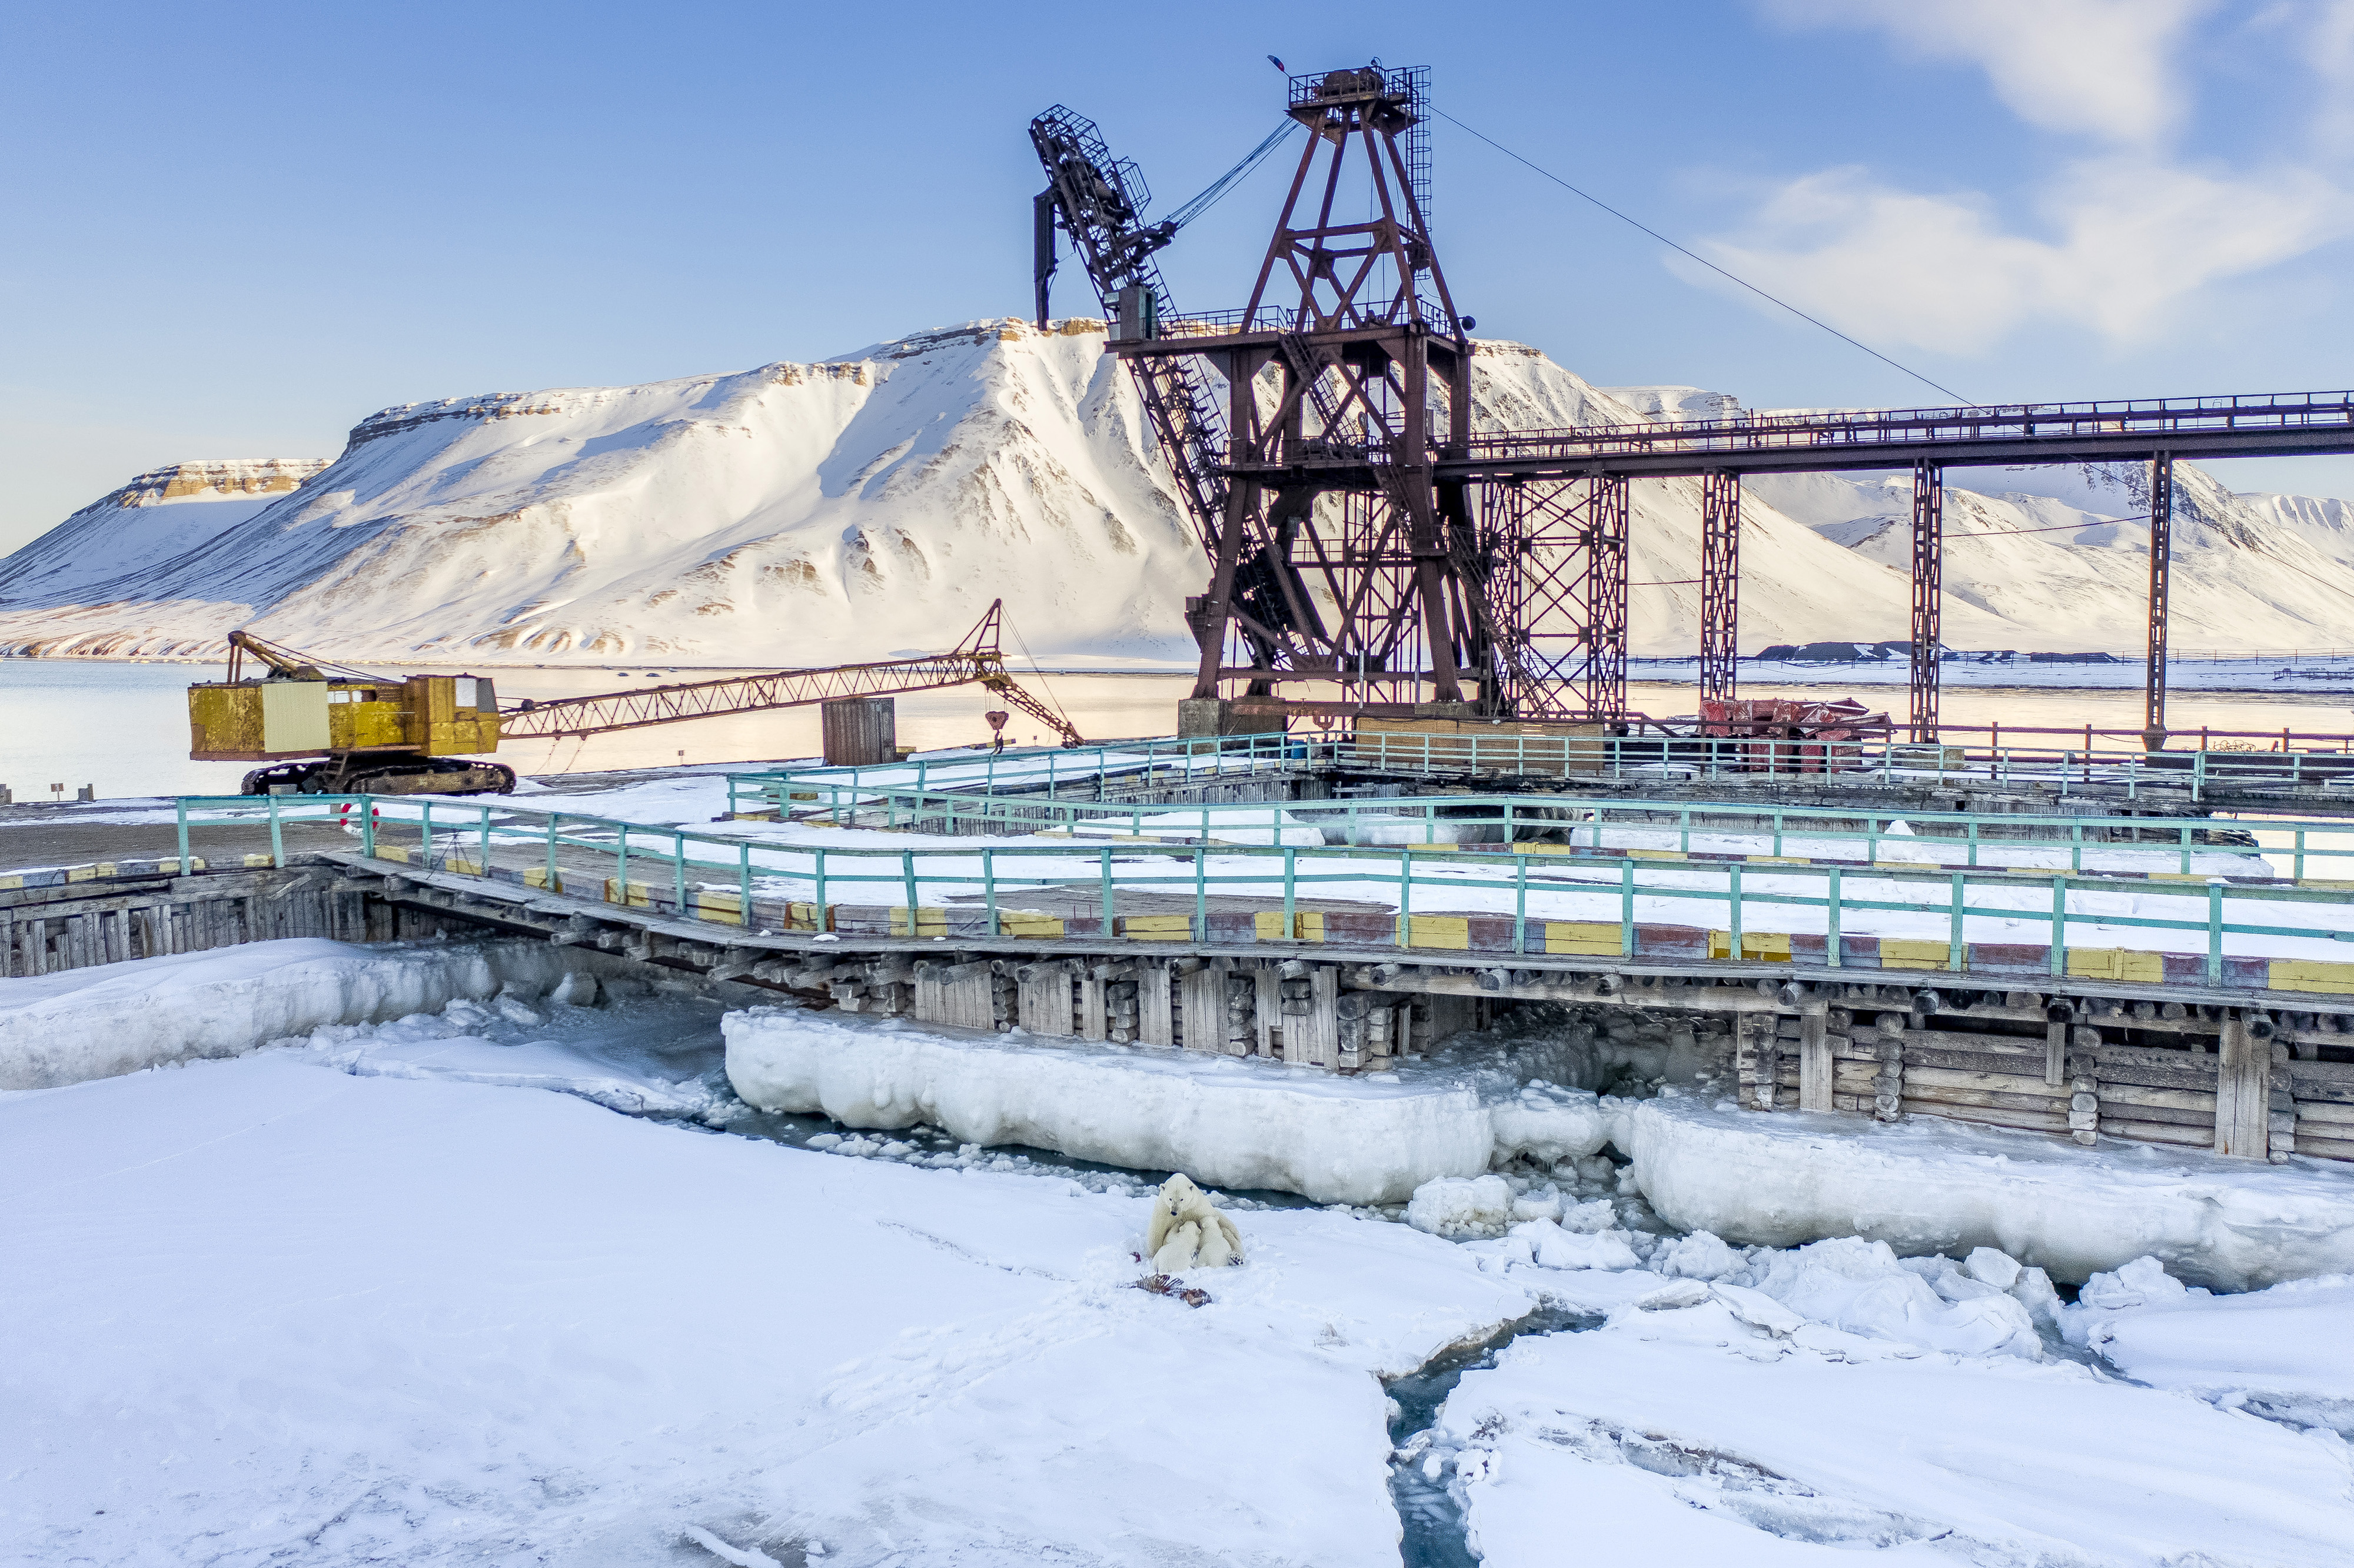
(327, 729)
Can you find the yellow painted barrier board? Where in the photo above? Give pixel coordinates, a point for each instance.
(1591, 938)
(1438, 931)
(2312, 974)
(1267, 925)
(1764, 947)
(726, 908)
(1307, 925)
(2117, 964)
(1777, 860)
(1654, 854)
(1028, 923)
(1157, 927)
(799, 916)
(2330, 884)
(1913, 953)
(251, 861)
(930, 921)
(393, 852)
(536, 877)
(638, 895)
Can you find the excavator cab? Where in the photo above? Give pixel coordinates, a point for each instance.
(328, 730)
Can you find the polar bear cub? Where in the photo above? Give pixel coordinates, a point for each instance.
(1187, 1231)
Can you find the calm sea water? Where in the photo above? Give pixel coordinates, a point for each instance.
(123, 725)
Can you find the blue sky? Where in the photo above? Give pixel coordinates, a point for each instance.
(236, 229)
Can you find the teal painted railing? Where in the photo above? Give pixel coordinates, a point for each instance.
(1740, 900)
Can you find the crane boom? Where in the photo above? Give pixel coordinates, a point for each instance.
(1099, 201)
(976, 660)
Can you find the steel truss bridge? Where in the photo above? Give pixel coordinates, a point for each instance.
(1361, 534)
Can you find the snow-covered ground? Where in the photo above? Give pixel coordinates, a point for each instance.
(1721, 1428)
(411, 1290)
(265, 1310)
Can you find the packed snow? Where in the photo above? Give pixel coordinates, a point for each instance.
(264, 1310)
(2285, 1353)
(1714, 1424)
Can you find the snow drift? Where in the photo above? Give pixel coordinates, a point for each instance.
(858, 506)
(112, 1019)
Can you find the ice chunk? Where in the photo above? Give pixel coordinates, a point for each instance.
(1927, 1185)
(113, 1019)
(1610, 1249)
(1859, 1286)
(1758, 1309)
(2033, 1291)
(1230, 1122)
(1992, 1266)
(1589, 1218)
(1544, 1206)
(1459, 1206)
(576, 988)
(2144, 1282)
(1552, 1248)
(1699, 1256)
(513, 1010)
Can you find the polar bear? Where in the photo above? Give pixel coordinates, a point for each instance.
(1187, 1231)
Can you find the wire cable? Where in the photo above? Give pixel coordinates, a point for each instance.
(1230, 179)
(1704, 261)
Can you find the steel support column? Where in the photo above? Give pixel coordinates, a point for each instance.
(1606, 597)
(2161, 551)
(1928, 564)
(1720, 582)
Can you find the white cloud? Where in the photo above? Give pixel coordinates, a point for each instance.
(2105, 66)
(2129, 238)
(2330, 52)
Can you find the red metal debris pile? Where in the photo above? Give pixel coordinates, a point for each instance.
(1788, 736)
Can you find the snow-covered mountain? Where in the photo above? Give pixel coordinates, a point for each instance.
(158, 515)
(807, 514)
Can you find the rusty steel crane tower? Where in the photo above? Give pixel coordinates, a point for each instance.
(1340, 557)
